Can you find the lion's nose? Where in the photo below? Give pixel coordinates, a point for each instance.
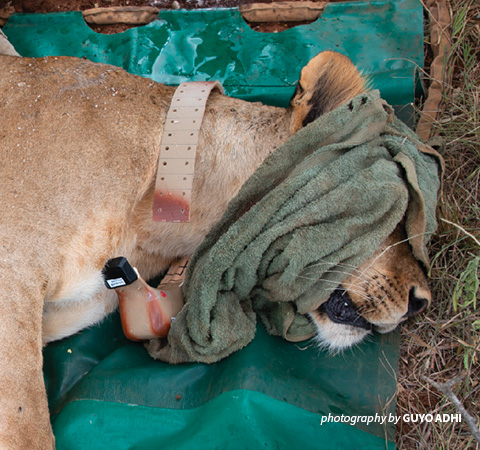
(416, 303)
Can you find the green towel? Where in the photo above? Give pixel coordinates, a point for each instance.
(325, 200)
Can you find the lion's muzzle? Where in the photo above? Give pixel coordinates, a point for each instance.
(339, 309)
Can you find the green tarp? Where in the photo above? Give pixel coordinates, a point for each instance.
(106, 392)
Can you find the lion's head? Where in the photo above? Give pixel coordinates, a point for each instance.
(391, 285)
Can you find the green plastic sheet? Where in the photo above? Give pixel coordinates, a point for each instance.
(271, 394)
(106, 392)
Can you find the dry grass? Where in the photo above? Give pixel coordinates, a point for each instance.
(446, 344)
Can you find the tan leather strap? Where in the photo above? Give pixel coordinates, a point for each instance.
(176, 163)
(175, 274)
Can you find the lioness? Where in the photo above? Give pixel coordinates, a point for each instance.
(79, 144)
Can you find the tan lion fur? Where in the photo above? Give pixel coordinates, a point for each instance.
(79, 145)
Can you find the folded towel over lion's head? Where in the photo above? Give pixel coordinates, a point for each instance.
(391, 285)
(327, 239)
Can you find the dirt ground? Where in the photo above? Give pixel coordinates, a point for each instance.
(39, 6)
(28, 6)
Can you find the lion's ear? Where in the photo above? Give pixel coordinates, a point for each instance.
(298, 108)
(328, 81)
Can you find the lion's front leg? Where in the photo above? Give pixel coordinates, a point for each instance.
(24, 416)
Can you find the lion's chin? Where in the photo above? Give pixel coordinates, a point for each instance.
(336, 337)
(386, 328)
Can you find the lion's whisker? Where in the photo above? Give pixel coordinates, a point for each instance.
(347, 266)
(389, 247)
(348, 288)
(363, 279)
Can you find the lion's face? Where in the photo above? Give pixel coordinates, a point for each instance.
(380, 294)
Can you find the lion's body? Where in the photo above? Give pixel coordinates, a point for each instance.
(79, 147)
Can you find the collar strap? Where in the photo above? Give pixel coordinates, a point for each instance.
(176, 162)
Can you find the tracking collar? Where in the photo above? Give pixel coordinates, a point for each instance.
(176, 162)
